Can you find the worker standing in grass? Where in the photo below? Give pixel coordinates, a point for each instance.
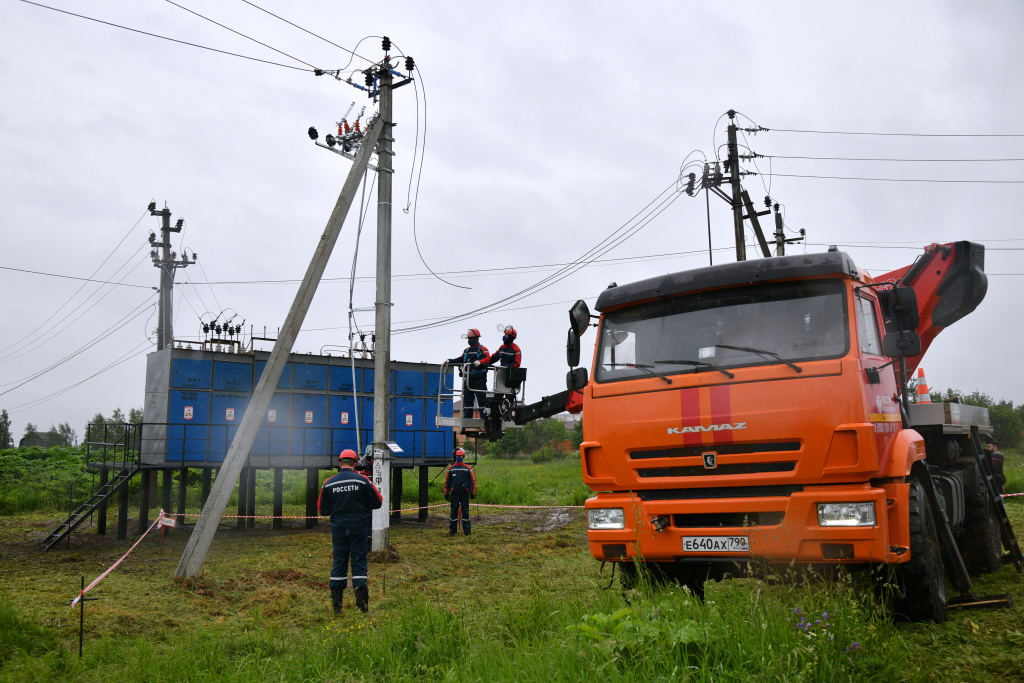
(474, 387)
(459, 487)
(348, 497)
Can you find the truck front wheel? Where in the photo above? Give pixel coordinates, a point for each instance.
(920, 593)
(981, 544)
(692, 576)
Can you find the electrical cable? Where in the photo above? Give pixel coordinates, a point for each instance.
(173, 40)
(238, 33)
(69, 277)
(128, 317)
(51, 335)
(345, 49)
(924, 161)
(908, 135)
(904, 180)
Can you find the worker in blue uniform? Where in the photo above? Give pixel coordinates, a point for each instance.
(459, 487)
(348, 497)
(474, 388)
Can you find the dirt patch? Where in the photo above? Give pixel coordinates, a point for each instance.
(290, 576)
(559, 519)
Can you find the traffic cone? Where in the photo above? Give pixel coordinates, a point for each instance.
(923, 396)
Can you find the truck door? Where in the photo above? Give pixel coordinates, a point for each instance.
(880, 395)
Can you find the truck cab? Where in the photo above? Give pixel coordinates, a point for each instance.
(749, 411)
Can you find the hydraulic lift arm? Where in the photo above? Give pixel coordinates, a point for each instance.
(949, 281)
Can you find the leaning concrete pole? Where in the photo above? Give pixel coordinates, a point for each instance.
(202, 536)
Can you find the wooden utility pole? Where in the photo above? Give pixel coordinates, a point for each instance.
(734, 180)
(202, 535)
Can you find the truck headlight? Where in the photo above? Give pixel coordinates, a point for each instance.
(606, 518)
(846, 514)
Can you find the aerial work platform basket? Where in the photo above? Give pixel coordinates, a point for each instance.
(506, 390)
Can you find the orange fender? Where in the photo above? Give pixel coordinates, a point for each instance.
(907, 448)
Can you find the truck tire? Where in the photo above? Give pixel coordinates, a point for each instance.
(981, 543)
(921, 580)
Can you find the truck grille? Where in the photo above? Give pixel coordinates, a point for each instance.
(721, 449)
(721, 470)
(719, 492)
(732, 519)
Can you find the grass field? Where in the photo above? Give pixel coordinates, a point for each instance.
(521, 599)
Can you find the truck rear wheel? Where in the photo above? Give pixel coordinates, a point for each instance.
(981, 543)
(921, 580)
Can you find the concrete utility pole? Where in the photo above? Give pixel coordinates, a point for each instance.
(734, 179)
(780, 236)
(166, 261)
(202, 536)
(382, 322)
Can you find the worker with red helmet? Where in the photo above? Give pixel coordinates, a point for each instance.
(348, 497)
(459, 487)
(508, 354)
(474, 386)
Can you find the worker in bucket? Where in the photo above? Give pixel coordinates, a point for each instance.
(508, 354)
(459, 487)
(995, 462)
(348, 497)
(474, 386)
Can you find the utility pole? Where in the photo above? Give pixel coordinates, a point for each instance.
(780, 236)
(734, 179)
(382, 455)
(202, 535)
(167, 261)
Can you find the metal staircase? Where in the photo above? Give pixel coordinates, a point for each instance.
(116, 451)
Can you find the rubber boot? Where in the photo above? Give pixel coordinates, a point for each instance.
(363, 600)
(336, 600)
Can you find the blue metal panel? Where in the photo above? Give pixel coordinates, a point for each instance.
(188, 442)
(439, 444)
(227, 409)
(367, 386)
(341, 411)
(189, 407)
(408, 383)
(220, 441)
(366, 412)
(434, 379)
(187, 373)
(286, 375)
(430, 407)
(341, 378)
(342, 439)
(310, 377)
(408, 414)
(273, 436)
(309, 416)
(229, 376)
(409, 442)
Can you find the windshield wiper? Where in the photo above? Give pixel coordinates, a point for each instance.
(697, 364)
(762, 353)
(645, 368)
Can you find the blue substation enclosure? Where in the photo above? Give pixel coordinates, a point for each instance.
(195, 401)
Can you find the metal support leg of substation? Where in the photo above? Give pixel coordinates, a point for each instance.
(250, 509)
(243, 493)
(424, 482)
(312, 494)
(396, 494)
(278, 498)
(147, 488)
(122, 514)
(207, 481)
(101, 512)
(182, 492)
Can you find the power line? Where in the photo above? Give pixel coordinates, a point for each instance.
(928, 161)
(908, 135)
(173, 40)
(903, 180)
(345, 49)
(72, 277)
(228, 28)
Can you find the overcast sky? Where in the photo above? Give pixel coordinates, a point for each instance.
(544, 126)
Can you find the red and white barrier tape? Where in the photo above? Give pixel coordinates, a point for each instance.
(161, 520)
(412, 509)
(1012, 495)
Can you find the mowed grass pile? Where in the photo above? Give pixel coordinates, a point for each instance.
(520, 600)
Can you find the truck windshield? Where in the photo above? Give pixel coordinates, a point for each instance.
(768, 324)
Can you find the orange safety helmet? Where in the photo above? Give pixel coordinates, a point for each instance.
(348, 454)
(511, 331)
(472, 332)
(459, 453)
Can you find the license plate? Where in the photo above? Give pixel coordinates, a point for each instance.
(716, 544)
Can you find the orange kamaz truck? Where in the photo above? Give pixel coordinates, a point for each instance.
(757, 412)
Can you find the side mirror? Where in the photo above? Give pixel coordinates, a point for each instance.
(899, 344)
(579, 317)
(572, 349)
(899, 306)
(576, 379)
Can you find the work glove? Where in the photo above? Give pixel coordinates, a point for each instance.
(476, 364)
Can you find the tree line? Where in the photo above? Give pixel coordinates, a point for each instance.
(63, 435)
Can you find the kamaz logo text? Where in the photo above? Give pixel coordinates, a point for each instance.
(707, 428)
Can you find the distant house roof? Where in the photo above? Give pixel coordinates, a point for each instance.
(42, 440)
